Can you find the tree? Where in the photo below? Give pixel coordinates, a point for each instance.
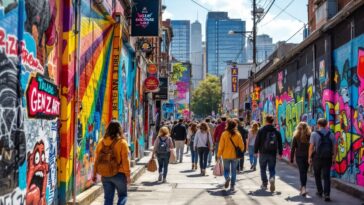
(207, 97)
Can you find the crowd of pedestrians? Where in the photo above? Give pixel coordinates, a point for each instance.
(227, 140)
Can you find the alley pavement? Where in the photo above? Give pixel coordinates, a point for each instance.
(185, 187)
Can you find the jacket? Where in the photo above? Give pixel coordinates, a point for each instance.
(299, 148)
(218, 132)
(226, 148)
(179, 132)
(260, 139)
(244, 134)
(122, 153)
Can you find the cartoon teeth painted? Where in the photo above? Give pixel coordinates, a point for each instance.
(37, 175)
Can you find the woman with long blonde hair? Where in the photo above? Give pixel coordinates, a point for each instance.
(162, 149)
(300, 147)
(203, 145)
(252, 135)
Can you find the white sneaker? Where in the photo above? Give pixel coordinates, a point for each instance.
(272, 184)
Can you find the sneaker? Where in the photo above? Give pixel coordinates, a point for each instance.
(232, 188)
(272, 184)
(164, 180)
(327, 198)
(160, 177)
(227, 183)
(252, 167)
(263, 187)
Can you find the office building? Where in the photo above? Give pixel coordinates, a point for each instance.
(181, 40)
(265, 48)
(196, 54)
(220, 46)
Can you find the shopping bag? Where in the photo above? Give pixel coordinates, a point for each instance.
(172, 157)
(218, 169)
(152, 165)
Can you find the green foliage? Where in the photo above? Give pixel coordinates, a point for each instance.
(207, 97)
(177, 73)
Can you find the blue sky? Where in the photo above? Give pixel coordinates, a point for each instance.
(279, 27)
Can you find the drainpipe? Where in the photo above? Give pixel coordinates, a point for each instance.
(77, 10)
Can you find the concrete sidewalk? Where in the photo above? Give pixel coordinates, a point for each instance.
(186, 187)
(95, 193)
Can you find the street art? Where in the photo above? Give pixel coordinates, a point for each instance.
(311, 94)
(37, 175)
(28, 60)
(182, 95)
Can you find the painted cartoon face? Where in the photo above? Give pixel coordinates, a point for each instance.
(345, 94)
(37, 175)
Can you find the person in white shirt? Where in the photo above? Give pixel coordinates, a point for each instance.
(203, 145)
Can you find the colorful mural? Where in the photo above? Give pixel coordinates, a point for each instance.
(29, 102)
(182, 95)
(306, 94)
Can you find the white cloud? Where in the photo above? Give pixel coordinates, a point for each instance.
(280, 28)
(167, 15)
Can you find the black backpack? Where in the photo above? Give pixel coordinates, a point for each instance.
(270, 142)
(324, 149)
(163, 147)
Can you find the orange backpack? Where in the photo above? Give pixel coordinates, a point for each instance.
(107, 165)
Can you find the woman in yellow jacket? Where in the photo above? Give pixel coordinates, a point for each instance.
(230, 139)
(113, 164)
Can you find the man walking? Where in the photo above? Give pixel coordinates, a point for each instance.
(244, 134)
(322, 154)
(267, 144)
(217, 134)
(179, 136)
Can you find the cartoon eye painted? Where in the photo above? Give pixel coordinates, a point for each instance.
(43, 157)
(36, 158)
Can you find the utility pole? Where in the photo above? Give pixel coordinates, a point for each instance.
(254, 36)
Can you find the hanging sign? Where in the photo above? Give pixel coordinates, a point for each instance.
(151, 83)
(152, 69)
(145, 18)
(234, 79)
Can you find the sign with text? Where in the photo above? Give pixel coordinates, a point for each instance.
(234, 79)
(116, 51)
(151, 84)
(42, 99)
(145, 18)
(162, 94)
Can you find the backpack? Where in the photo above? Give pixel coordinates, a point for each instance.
(107, 165)
(163, 147)
(270, 142)
(324, 149)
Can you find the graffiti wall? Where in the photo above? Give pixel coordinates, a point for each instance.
(305, 90)
(182, 94)
(29, 101)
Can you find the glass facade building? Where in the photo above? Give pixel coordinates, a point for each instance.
(222, 47)
(181, 40)
(265, 48)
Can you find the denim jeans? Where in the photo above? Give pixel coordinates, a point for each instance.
(209, 158)
(252, 157)
(163, 161)
(323, 167)
(180, 146)
(264, 161)
(202, 153)
(302, 163)
(117, 182)
(194, 154)
(230, 166)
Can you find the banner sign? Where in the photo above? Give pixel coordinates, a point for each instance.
(234, 79)
(162, 94)
(145, 18)
(42, 99)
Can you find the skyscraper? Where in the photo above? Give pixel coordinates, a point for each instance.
(220, 46)
(196, 54)
(265, 47)
(181, 40)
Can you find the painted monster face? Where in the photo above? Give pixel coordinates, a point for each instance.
(37, 175)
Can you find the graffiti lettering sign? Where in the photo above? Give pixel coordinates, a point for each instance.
(145, 18)
(115, 70)
(42, 99)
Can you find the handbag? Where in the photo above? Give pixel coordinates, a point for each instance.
(239, 153)
(152, 165)
(172, 156)
(218, 169)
